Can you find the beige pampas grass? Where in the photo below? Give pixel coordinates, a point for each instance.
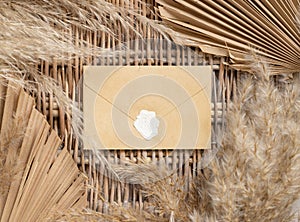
(43, 31)
(256, 176)
(166, 194)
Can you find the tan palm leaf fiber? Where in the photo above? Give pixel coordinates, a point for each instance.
(235, 28)
(37, 180)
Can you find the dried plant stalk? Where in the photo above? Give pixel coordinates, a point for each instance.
(256, 175)
(43, 30)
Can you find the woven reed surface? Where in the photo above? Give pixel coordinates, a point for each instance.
(68, 75)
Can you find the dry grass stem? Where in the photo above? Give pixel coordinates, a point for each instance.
(43, 31)
(256, 175)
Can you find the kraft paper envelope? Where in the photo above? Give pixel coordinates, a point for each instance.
(114, 96)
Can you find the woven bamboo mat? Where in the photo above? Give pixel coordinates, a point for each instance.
(152, 51)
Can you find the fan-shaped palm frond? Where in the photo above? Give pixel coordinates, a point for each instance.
(236, 28)
(34, 180)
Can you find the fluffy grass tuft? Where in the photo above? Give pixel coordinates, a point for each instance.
(44, 31)
(256, 176)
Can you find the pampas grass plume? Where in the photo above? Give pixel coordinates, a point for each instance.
(256, 176)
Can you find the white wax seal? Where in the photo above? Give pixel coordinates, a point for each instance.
(147, 124)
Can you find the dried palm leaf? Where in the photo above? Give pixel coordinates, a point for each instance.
(236, 28)
(42, 180)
